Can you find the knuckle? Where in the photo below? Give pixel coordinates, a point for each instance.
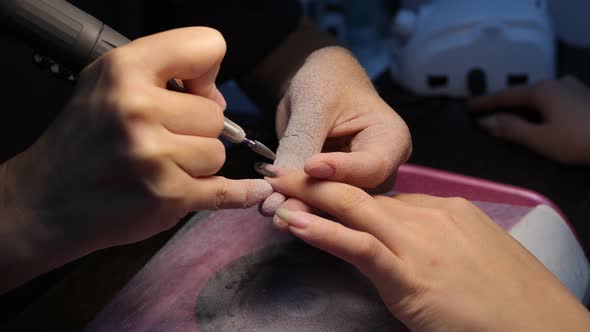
(216, 156)
(142, 151)
(115, 64)
(217, 117)
(221, 194)
(130, 122)
(441, 216)
(382, 200)
(458, 204)
(352, 198)
(502, 126)
(126, 106)
(132, 104)
(214, 39)
(163, 194)
(368, 249)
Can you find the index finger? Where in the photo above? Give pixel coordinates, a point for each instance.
(351, 205)
(185, 54)
(520, 96)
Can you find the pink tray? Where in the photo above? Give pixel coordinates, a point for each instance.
(424, 180)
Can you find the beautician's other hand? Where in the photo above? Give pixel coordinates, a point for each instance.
(564, 106)
(127, 158)
(333, 124)
(439, 264)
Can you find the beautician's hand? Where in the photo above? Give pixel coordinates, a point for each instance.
(333, 124)
(439, 264)
(127, 158)
(564, 106)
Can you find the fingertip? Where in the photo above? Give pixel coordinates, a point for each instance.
(292, 219)
(258, 191)
(280, 224)
(491, 124)
(510, 127)
(361, 168)
(271, 204)
(219, 99)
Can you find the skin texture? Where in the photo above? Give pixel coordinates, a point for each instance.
(439, 264)
(333, 124)
(326, 103)
(125, 160)
(564, 106)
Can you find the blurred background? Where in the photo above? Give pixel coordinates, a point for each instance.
(425, 59)
(426, 48)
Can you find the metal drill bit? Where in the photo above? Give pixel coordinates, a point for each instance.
(260, 148)
(234, 133)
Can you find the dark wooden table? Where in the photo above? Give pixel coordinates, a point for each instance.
(444, 135)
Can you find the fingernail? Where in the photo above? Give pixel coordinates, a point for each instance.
(321, 171)
(279, 223)
(298, 220)
(263, 169)
(220, 99)
(268, 170)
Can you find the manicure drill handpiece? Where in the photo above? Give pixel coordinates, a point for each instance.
(74, 38)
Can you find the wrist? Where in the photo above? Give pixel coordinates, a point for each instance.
(552, 308)
(24, 249)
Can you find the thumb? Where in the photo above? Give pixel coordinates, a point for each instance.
(512, 128)
(205, 86)
(360, 168)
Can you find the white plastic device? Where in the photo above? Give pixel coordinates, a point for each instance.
(463, 48)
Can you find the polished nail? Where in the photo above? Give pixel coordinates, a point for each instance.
(321, 171)
(279, 223)
(264, 169)
(297, 220)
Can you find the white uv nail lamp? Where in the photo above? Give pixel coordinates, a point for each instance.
(463, 48)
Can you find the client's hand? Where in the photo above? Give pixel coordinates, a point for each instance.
(439, 264)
